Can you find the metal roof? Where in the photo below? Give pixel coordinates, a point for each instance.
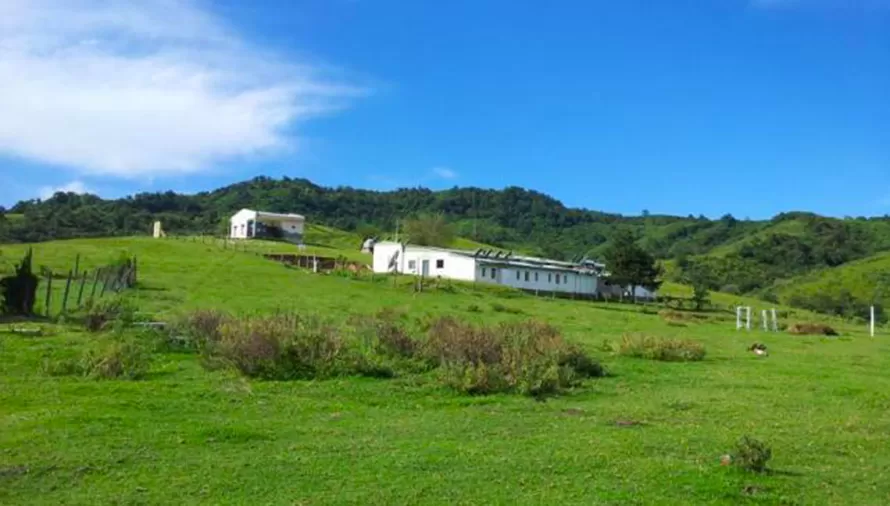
(507, 258)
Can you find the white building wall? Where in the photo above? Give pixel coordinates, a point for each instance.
(238, 223)
(542, 280)
(439, 264)
(383, 253)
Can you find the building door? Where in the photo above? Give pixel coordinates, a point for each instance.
(424, 268)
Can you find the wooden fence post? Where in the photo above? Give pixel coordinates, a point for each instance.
(67, 288)
(83, 281)
(49, 292)
(95, 283)
(105, 277)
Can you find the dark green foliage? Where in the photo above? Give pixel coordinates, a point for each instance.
(630, 265)
(699, 276)
(751, 454)
(20, 290)
(582, 363)
(497, 307)
(429, 230)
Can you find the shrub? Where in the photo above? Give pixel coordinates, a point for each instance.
(198, 330)
(100, 315)
(497, 307)
(118, 360)
(751, 454)
(816, 329)
(580, 362)
(529, 358)
(383, 335)
(659, 348)
(19, 291)
(474, 308)
(278, 348)
(126, 360)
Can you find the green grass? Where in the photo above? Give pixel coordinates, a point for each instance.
(860, 278)
(188, 436)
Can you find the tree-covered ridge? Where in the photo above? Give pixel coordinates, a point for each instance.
(741, 255)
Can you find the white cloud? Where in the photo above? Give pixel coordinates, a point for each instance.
(444, 173)
(145, 88)
(47, 192)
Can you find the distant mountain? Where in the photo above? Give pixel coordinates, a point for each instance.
(746, 256)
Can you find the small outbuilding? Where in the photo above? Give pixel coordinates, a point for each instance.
(249, 224)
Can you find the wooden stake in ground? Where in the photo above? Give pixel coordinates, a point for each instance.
(83, 281)
(67, 289)
(95, 284)
(49, 292)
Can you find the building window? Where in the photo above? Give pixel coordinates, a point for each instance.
(549, 278)
(412, 264)
(483, 272)
(517, 275)
(526, 275)
(565, 278)
(536, 277)
(440, 264)
(493, 272)
(557, 279)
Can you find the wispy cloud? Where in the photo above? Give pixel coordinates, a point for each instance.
(444, 173)
(72, 187)
(146, 88)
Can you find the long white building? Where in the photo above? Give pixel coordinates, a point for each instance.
(586, 278)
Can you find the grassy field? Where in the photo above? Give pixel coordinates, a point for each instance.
(650, 433)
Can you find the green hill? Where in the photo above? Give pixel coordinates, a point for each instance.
(745, 256)
(188, 434)
(848, 290)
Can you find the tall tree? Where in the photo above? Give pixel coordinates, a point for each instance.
(429, 230)
(700, 276)
(630, 265)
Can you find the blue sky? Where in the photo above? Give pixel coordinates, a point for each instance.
(751, 107)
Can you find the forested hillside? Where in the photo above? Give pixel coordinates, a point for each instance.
(742, 256)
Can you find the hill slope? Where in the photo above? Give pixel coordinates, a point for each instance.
(746, 256)
(189, 435)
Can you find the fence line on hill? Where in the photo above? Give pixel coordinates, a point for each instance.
(82, 287)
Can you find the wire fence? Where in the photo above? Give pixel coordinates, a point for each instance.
(60, 293)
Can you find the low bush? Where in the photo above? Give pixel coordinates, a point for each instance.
(474, 308)
(197, 330)
(580, 362)
(529, 358)
(659, 348)
(100, 315)
(497, 307)
(117, 360)
(277, 348)
(814, 329)
(751, 454)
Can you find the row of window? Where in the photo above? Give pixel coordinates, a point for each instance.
(412, 264)
(527, 276)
